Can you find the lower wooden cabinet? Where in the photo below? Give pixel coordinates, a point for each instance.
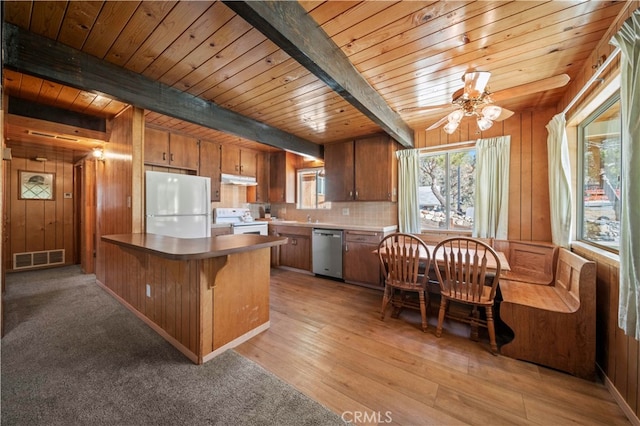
(225, 230)
(297, 252)
(360, 264)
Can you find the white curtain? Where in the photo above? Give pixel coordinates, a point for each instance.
(628, 40)
(559, 181)
(491, 210)
(408, 175)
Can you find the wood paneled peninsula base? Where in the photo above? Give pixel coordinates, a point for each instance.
(203, 295)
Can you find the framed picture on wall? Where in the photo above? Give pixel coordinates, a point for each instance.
(36, 185)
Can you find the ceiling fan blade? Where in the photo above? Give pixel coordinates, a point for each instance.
(475, 82)
(529, 88)
(425, 108)
(504, 114)
(439, 123)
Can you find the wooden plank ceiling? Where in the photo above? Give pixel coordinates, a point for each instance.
(411, 54)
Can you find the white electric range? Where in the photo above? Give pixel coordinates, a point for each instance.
(240, 219)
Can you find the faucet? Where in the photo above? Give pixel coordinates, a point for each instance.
(309, 218)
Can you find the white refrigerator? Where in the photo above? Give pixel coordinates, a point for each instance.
(178, 205)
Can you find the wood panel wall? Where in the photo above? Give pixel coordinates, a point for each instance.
(618, 355)
(528, 171)
(115, 190)
(38, 225)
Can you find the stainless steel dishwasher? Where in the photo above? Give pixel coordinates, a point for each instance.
(327, 252)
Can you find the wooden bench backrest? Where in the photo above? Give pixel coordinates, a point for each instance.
(433, 238)
(530, 261)
(572, 271)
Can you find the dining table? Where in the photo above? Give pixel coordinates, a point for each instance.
(491, 264)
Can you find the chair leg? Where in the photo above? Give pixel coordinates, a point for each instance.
(385, 301)
(423, 310)
(475, 320)
(443, 309)
(398, 303)
(492, 331)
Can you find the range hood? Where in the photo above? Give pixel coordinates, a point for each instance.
(238, 180)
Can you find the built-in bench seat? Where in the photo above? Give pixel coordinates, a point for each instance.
(530, 261)
(554, 325)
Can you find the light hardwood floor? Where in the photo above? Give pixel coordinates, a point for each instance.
(327, 340)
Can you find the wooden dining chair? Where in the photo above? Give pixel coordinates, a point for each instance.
(405, 260)
(468, 271)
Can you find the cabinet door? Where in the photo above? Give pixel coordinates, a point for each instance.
(230, 160)
(247, 162)
(210, 166)
(156, 146)
(339, 171)
(282, 177)
(260, 193)
(361, 265)
(184, 152)
(374, 169)
(296, 253)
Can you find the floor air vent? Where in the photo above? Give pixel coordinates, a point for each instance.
(38, 258)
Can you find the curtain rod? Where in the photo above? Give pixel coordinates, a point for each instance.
(447, 146)
(593, 78)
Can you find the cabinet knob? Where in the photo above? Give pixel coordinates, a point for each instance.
(164, 156)
(172, 156)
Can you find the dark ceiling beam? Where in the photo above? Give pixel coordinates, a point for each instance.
(288, 25)
(39, 56)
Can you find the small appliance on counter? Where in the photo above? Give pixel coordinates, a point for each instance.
(178, 205)
(240, 219)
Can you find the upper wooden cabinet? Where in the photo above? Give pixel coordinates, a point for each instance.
(210, 166)
(238, 161)
(282, 177)
(260, 192)
(361, 170)
(170, 149)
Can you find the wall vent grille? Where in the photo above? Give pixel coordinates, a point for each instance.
(35, 259)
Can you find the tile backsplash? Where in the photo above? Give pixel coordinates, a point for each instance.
(379, 213)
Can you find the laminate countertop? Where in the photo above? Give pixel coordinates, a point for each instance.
(194, 248)
(330, 225)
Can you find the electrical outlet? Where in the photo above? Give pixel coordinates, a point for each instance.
(148, 290)
(345, 211)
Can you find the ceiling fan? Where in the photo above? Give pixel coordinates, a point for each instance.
(475, 100)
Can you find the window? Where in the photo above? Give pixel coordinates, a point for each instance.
(600, 156)
(446, 191)
(311, 187)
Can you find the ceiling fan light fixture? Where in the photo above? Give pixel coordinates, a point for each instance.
(451, 127)
(491, 112)
(455, 116)
(484, 123)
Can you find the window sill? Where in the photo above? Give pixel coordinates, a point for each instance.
(597, 254)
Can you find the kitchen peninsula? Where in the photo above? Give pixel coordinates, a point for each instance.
(203, 295)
